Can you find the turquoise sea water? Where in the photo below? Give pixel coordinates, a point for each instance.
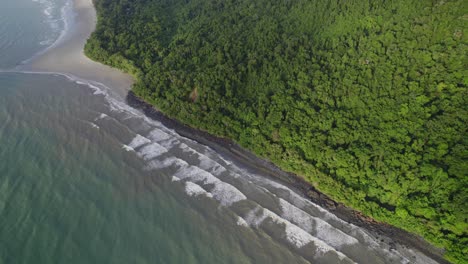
(86, 179)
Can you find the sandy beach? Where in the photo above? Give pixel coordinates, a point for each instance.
(66, 55)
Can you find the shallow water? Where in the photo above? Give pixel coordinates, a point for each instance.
(71, 193)
(26, 27)
(86, 179)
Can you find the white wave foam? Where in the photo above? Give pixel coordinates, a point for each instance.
(323, 230)
(360, 235)
(127, 148)
(171, 161)
(241, 222)
(169, 143)
(46, 42)
(223, 192)
(101, 116)
(186, 149)
(227, 194)
(298, 200)
(138, 141)
(352, 231)
(294, 234)
(197, 175)
(98, 88)
(58, 34)
(115, 102)
(93, 125)
(210, 165)
(255, 217)
(159, 135)
(99, 92)
(206, 163)
(175, 179)
(48, 11)
(193, 189)
(151, 151)
(296, 215)
(227, 162)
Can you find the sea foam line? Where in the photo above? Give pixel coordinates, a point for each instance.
(98, 88)
(223, 192)
(294, 234)
(67, 16)
(48, 13)
(352, 230)
(323, 230)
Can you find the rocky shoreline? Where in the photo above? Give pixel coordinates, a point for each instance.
(390, 234)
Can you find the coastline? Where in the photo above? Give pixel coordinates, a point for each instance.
(393, 236)
(66, 57)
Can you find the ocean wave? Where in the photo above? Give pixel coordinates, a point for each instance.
(175, 179)
(152, 151)
(322, 229)
(223, 192)
(101, 116)
(294, 234)
(138, 141)
(193, 189)
(127, 148)
(159, 135)
(59, 20)
(161, 164)
(206, 163)
(241, 222)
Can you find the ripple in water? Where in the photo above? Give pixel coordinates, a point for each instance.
(69, 193)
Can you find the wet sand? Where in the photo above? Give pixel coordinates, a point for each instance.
(67, 56)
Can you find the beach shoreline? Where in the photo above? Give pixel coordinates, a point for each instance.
(67, 57)
(393, 236)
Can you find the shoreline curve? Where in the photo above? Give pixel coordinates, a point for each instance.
(66, 54)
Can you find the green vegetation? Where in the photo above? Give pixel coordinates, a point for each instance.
(367, 99)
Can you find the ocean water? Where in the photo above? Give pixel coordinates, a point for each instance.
(26, 27)
(84, 178)
(70, 193)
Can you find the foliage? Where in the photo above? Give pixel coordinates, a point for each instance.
(366, 99)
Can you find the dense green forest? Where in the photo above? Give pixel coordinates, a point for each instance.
(366, 99)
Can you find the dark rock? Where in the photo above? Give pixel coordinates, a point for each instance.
(314, 195)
